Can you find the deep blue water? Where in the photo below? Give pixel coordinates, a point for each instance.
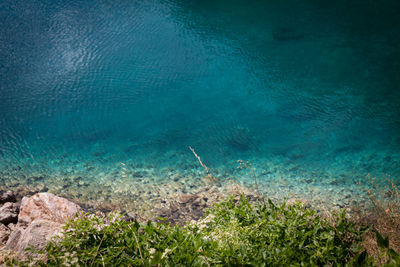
(303, 85)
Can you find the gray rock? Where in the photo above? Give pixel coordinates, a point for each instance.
(4, 234)
(7, 197)
(9, 213)
(13, 239)
(12, 226)
(37, 234)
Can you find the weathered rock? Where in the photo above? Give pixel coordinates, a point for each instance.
(12, 226)
(7, 197)
(37, 234)
(46, 206)
(9, 213)
(41, 217)
(4, 234)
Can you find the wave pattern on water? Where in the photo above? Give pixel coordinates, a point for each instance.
(306, 91)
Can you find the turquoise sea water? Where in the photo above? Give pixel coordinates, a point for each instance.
(99, 93)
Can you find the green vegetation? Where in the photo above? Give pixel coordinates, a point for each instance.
(233, 233)
(385, 218)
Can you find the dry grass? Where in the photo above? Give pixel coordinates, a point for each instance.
(201, 163)
(384, 215)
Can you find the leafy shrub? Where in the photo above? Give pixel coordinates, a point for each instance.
(232, 233)
(280, 235)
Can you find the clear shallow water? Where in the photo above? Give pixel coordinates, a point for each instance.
(307, 91)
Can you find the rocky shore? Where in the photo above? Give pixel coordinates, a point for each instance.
(33, 218)
(31, 221)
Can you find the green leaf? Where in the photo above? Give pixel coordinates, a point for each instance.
(271, 203)
(382, 242)
(393, 253)
(362, 257)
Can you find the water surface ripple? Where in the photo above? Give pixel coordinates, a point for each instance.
(304, 90)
